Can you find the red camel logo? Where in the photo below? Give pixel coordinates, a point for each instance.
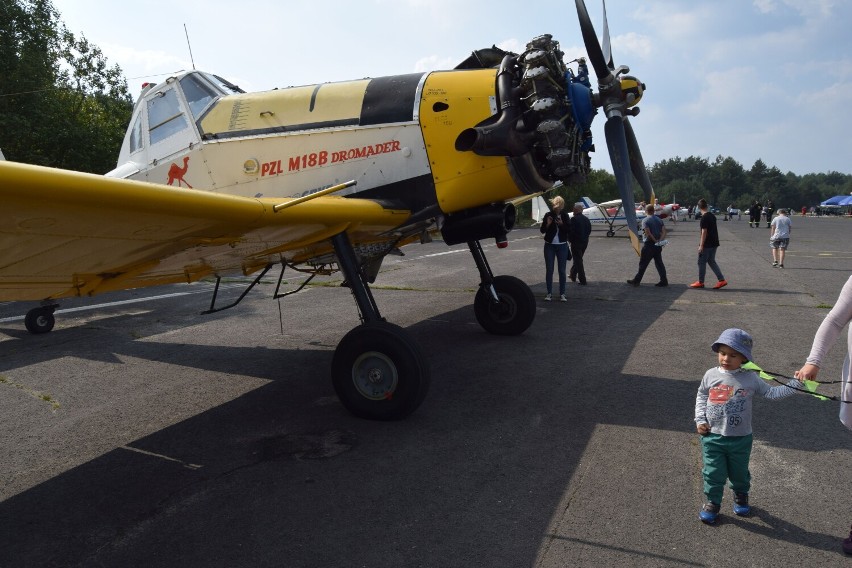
(176, 173)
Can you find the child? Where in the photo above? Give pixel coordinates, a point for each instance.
(723, 418)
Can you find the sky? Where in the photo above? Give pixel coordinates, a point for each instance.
(749, 79)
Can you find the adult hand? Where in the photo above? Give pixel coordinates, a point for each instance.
(808, 372)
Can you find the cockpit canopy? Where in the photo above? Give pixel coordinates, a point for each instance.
(166, 110)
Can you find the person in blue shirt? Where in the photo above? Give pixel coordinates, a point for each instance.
(653, 237)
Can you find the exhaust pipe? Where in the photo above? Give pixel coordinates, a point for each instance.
(499, 136)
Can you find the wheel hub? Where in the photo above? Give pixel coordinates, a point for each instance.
(505, 310)
(375, 375)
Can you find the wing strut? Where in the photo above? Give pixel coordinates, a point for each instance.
(213, 309)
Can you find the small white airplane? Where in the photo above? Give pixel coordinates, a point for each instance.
(611, 213)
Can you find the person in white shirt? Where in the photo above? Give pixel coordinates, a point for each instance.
(781, 227)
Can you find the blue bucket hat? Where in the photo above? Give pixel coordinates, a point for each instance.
(736, 339)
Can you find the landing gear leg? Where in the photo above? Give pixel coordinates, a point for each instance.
(40, 319)
(504, 305)
(378, 370)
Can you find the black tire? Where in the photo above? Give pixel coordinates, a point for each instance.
(39, 320)
(610, 233)
(515, 312)
(379, 372)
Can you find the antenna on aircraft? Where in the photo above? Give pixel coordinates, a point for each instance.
(189, 46)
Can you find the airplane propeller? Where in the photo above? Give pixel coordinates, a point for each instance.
(617, 93)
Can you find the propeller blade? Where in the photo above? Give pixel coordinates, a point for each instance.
(607, 46)
(593, 48)
(616, 143)
(637, 164)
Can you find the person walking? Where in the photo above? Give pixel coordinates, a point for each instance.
(555, 226)
(825, 338)
(707, 245)
(781, 226)
(579, 230)
(654, 238)
(754, 214)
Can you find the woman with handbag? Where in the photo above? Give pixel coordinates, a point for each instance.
(555, 226)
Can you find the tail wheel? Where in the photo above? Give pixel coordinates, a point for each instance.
(379, 372)
(515, 311)
(39, 320)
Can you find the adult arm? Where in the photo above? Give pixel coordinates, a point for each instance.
(828, 332)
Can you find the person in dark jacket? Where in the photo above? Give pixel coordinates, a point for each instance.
(555, 226)
(580, 229)
(767, 212)
(754, 214)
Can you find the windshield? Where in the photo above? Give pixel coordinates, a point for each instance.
(227, 87)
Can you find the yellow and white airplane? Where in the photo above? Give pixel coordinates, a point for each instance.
(214, 181)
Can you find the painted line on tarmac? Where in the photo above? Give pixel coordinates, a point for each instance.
(123, 302)
(162, 457)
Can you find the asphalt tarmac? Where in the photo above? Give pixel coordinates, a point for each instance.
(139, 433)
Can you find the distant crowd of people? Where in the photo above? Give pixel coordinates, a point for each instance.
(566, 238)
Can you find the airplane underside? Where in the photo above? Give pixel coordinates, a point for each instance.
(251, 178)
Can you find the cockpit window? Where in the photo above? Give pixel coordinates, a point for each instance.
(164, 116)
(136, 135)
(197, 94)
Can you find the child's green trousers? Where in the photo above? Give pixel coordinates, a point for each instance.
(725, 457)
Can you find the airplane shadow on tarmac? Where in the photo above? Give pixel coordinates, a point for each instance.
(284, 476)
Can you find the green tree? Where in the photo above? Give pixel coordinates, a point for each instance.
(61, 104)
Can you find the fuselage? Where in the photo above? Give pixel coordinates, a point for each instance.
(393, 135)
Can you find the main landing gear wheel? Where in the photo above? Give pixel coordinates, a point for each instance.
(379, 372)
(515, 312)
(39, 320)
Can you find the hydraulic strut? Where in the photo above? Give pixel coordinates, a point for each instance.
(368, 310)
(486, 277)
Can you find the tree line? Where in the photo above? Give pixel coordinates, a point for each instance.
(722, 182)
(63, 105)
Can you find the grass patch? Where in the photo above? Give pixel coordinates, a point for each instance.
(54, 404)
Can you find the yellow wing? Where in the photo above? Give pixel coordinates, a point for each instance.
(67, 233)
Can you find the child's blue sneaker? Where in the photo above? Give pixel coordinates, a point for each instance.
(709, 513)
(741, 506)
